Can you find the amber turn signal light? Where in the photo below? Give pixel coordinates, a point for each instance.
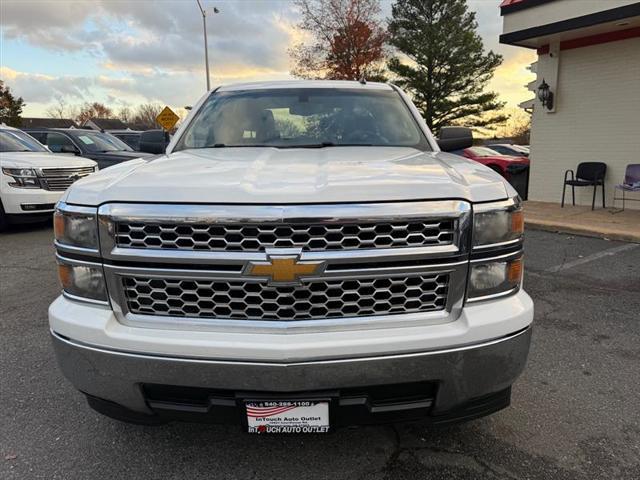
(514, 272)
(517, 221)
(58, 225)
(65, 275)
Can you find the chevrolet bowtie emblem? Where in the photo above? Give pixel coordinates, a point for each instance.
(283, 269)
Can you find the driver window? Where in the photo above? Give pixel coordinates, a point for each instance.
(55, 142)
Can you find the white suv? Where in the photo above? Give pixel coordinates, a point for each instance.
(304, 256)
(33, 179)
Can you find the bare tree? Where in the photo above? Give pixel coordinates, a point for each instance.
(142, 117)
(125, 115)
(60, 109)
(145, 115)
(93, 110)
(347, 40)
(517, 127)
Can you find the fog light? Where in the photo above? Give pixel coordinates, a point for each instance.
(494, 278)
(83, 281)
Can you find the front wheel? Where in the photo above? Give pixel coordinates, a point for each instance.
(4, 222)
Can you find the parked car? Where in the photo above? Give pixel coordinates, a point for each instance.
(494, 160)
(510, 149)
(294, 280)
(33, 179)
(514, 169)
(102, 147)
(154, 141)
(130, 137)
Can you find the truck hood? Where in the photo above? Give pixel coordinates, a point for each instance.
(265, 175)
(42, 160)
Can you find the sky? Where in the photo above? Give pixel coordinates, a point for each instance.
(127, 52)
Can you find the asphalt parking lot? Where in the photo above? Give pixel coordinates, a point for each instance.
(575, 412)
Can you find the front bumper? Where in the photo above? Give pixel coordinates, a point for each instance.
(16, 201)
(460, 383)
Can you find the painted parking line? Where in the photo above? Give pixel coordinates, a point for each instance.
(593, 257)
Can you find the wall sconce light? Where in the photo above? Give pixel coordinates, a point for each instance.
(545, 95)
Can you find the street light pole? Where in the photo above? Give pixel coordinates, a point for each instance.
(206, 44)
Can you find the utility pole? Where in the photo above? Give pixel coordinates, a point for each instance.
(206, 45)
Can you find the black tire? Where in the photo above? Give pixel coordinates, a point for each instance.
(4, 222)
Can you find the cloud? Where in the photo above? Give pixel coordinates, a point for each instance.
(152, 50)
(512, 76)
(41, 88)
(49, 24)
(145, 34)
(144, 50)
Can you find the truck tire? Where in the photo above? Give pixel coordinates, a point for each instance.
(3, 219)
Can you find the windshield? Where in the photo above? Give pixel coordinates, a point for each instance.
(308, 117)
(131, 139)
(17, 141)
(508, 149)
(483, 152)
(100, 142)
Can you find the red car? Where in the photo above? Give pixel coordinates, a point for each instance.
(505, 165)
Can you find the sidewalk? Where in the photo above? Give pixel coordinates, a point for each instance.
(582, 221)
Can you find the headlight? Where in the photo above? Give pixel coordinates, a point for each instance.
(76, 226)
(494, 277)
(22, 177)
(82, 280)
(497, 223)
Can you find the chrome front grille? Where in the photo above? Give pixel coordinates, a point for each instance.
(240, 300)
(56, 179)
(308, 237)
(193, 266)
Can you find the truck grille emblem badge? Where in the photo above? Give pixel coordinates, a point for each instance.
(284, 269)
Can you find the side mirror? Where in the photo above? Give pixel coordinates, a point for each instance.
(455, 138)
(153, 141)
(69, 149)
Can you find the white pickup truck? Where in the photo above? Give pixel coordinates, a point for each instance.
(32, 179)
(304, 256)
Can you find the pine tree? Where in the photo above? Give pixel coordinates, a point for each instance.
(446, 70)
(10, 107)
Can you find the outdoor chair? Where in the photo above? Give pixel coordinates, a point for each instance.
(588, 174)
(631, 183)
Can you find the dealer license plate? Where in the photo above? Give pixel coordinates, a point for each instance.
(287, 417)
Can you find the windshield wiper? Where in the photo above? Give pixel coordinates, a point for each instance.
(219, 145)
(307, 145)
(325, 144)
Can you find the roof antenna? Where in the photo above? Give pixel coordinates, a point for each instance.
(363, 80)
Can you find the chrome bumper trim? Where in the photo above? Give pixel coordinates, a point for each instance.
(462, 373)
(111, 214)
(213, 361)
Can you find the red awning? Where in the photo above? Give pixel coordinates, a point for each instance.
(507, 3)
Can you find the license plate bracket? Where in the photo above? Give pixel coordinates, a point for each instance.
(287, 416)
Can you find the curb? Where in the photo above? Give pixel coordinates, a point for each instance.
(583, 231)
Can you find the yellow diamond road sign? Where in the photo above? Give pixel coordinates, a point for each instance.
(167, 118)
